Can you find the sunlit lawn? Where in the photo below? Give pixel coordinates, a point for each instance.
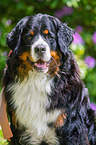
(2, 140)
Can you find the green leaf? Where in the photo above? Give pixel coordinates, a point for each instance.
(53, 4)
(2, 140)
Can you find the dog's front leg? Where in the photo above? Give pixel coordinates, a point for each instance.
(71, 131)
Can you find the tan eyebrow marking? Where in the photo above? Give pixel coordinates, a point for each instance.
(46, 31)
(32, 32)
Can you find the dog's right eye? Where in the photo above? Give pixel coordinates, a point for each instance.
(27, 37)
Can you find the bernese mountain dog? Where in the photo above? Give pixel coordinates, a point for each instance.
(47, 102)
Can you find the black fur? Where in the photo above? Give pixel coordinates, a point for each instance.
(69, 92)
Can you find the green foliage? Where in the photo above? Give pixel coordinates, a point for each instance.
(2, 66)
(79, 51)
(2, 141)
(91, 83)
(2, 61)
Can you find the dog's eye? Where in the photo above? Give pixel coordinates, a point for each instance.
(49, 37)
(29, 37)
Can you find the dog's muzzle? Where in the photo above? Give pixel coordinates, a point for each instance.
(41, 55)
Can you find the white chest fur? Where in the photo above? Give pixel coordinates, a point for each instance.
(30, 100)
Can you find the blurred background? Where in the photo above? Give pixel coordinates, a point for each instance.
(79, 14)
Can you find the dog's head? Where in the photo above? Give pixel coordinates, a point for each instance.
(40, 40)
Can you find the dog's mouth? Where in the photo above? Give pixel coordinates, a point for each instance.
(51, 67)
(40, 65)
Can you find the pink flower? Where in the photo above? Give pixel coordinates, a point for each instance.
(4, 53)
(94, 38)
(90, 61)
(79, 29)
(77, 39)
(59, 14)
(8, 22)
(64, 11)
(93, 106)
(67, 10)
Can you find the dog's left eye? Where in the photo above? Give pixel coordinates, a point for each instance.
(50, 37)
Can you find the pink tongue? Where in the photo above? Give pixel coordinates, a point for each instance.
(40, 65)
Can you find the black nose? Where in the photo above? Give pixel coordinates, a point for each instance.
(40, 49)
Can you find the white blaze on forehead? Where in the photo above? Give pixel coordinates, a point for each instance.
(47, 54)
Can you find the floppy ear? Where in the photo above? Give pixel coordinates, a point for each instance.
(13, 39)
(65, 37)
(64, 34)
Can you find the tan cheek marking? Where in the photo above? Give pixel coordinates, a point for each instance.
(23, 70)
(24, 56)
(24, 67)
(55, 55)
(14, 120)
(54, 65)
(60, 120)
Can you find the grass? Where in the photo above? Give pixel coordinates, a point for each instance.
(2, 140)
